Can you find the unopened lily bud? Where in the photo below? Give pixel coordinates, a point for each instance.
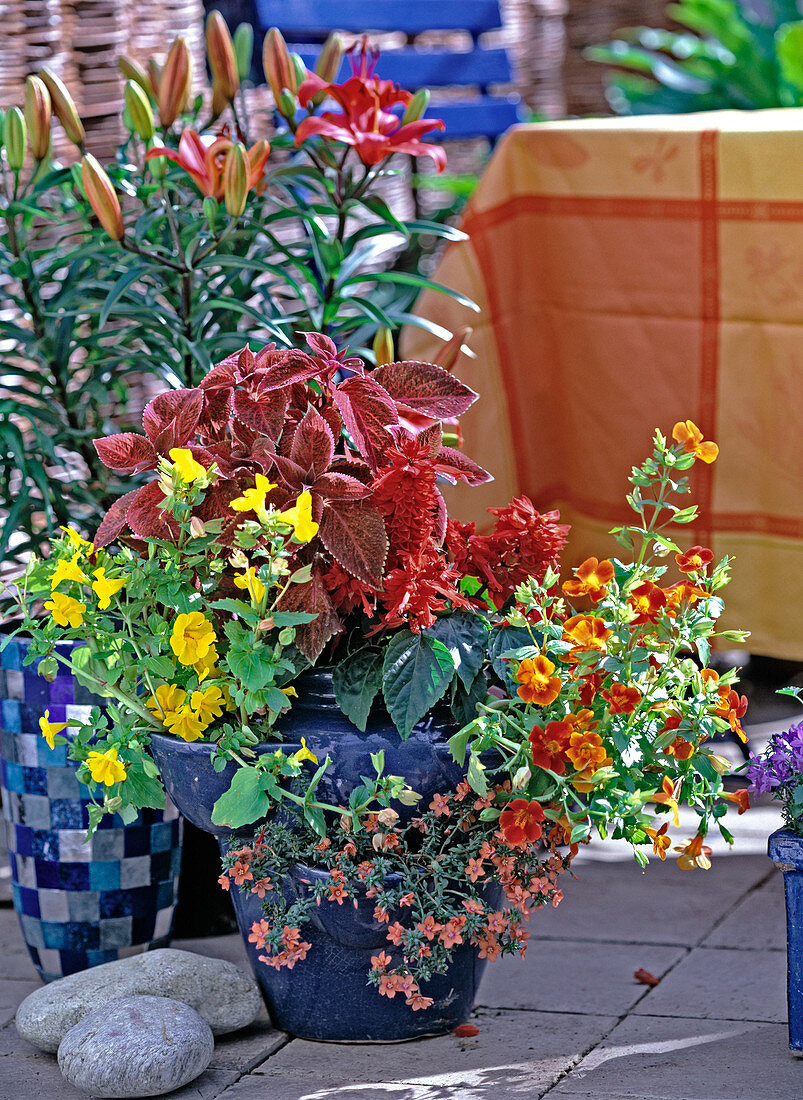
(243, 42)
(175, 82)
(15, 138)
(383, 347)
(210, 209)
(157, 166)
(102, 197)
(220, 100)
(197, 527)
(328, 63)
(132, 70)
(299, 69)
(139, 110)
(279, 71)
(417, 106)
(448, 355)
(220, 51)
(238, 560)
(64, 108)
(387, 817)
(287, 106)
(37, 116)
(155, 76)
(235, 180)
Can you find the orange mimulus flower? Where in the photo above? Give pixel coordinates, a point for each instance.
(694, 560)
(677, 593)
(538, 685)
(741, 798)
(666, 797)
(590, 579)
(647, 601)
(520, 822)
(622, 698)
(731, 707)
(693, 854)
(549, 745)
(687, 433)
(660, 841)
(585, 632)
(680, 748)
(586, 750)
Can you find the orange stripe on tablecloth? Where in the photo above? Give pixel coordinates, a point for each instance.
(709, 332)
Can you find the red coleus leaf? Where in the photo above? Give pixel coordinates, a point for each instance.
(114, 521)
(367, 410)
(454, 464)
(354, 467)
(276, 370)
(425, 388)
(172, 417)
(146, 519)
(290, 472)
(217, 389)
(354, 534)
(263, 412)
(313, 598)
(128, 452)
(321, 344)
(313, 443)
(337, 486)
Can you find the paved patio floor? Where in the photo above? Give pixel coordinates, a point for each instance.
(568, 1022)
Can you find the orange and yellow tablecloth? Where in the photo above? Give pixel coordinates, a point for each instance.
(629, 274)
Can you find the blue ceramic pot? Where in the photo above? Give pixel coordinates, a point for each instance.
(327, 996)
(78, 904)
(423, 759)
(785, 849)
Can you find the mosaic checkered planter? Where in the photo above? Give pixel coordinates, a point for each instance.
(79, 904)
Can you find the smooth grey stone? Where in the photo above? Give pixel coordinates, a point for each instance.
(136, 1046)
(223, 994)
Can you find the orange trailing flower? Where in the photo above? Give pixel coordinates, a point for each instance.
(622, 698)
(681, 749)
(667, 796)
(586, 751)
(204, 160)
(689, 435)
(549, 745)
(693, 854)
(646, 601)
(585, 632)
(677, 593)
(695, 560)
(660, 841)
(520, 822)
(590, 579)
(536, 680)
(730, 707)
(741, 798)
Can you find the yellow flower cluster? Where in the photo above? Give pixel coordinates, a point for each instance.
(188, 716)
(67, 610)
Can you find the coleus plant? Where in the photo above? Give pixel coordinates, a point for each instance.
(399, 598)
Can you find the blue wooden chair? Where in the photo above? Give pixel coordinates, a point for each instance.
(478, 113)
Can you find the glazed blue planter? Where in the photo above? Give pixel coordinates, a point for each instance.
(785, 849)
(78, 903)
(327, 997)
(424, 759)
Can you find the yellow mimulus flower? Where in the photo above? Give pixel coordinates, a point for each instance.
(65, 610)
(104, 767)
(186, 724)
(192, 638)
(79, 543)
(68, 571)
(208, 704)
(253, 500)
(300, 518)
(250, 581)
(186, 466)
(304, 754)
(206, 665)
(290, 691)
(106, 587)
(166, 700)
(50, 729)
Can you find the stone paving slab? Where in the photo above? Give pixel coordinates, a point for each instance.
(11, 993)
(758, 921)
(566, 976)
(653, 1058)
(15, 962)
(516, 1054)
(724, 984)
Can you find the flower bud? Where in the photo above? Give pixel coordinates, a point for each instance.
(328, 63)
(15, 138)
(720, 764)
(417, 106)
(244, 49)
(287, 106)
(64, 108)
(197, 527)
(157, 166)
(155, 76)
(37, 116)
(139, 110)
(448, 355)
(299, 69)
(408, 797)
(279, 71)
(132, 70)
(220, 51)
(521, 778)
(102, 197)
(235, 180)
(383, 347)
(48, 668)
(175, 82)
(220, 100)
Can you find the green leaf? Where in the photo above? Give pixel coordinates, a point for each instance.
(417, 671)
(142, 790)
(502, 640)
(476, 776)
(458, 744)
(466, 637)
(292, 618)
(789, 47)
(254, 667)
(244, 802)
(356, 682)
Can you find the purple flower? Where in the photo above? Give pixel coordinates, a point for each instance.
(760, 778)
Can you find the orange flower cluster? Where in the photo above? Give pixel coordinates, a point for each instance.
(537, 683)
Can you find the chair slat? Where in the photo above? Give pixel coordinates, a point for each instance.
(413, 68)
(488, 117)
(315, 18)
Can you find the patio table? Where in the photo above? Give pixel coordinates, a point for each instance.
(632, 273)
